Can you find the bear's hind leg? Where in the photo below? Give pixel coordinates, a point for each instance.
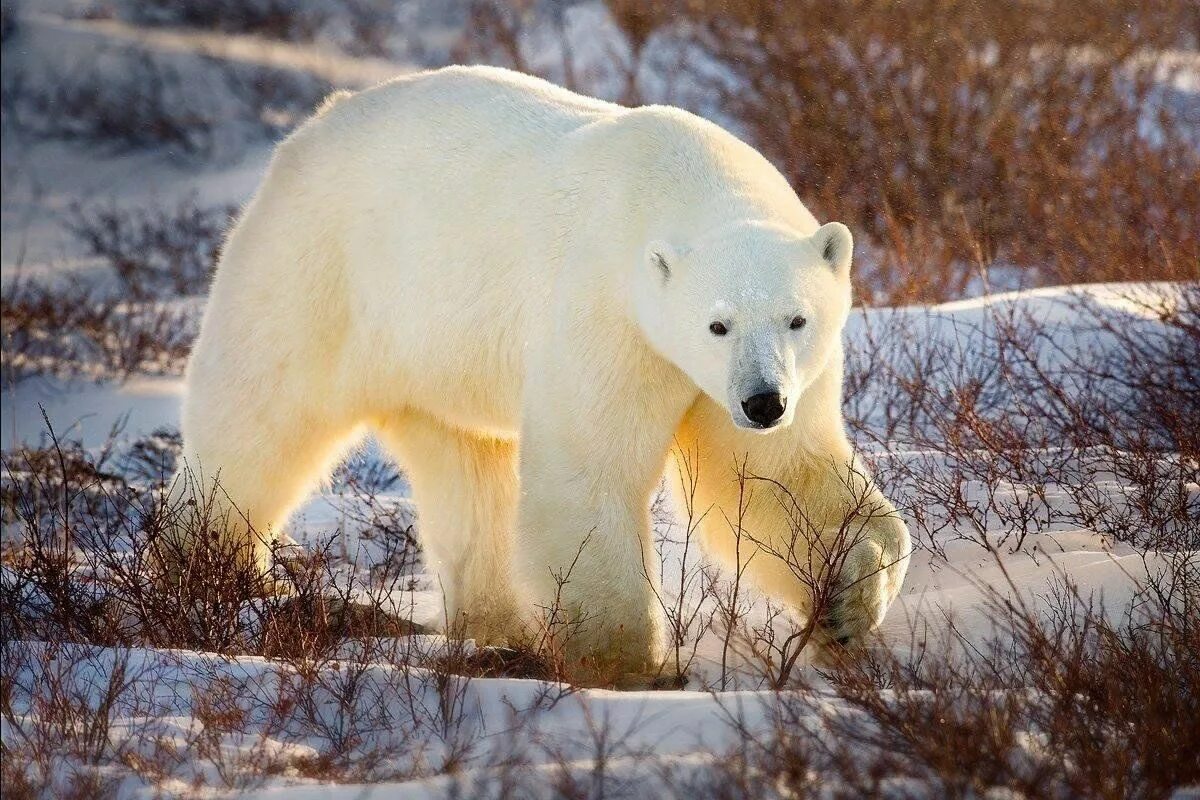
(465, 486)
(249, 464)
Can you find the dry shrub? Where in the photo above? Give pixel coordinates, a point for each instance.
(955, 136)
(75, 330)
(129, 97)
(140, 102)
(1026, 144)
(134, 323)
(95, 556)
(1063, 694)
(1033, 436)
(1066, 696)
(278, 19)
(155, 252)
(93, 578)
(1070, 705)
(358, 26)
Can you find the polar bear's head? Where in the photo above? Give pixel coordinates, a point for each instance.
(751, 312)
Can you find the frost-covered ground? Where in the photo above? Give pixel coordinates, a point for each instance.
(1010, 518)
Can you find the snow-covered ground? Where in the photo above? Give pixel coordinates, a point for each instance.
(447, 736)
(655, 736)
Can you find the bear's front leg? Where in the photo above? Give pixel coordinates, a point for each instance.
(585, 561)
(869, 557)
(594, 441)
(801, 515)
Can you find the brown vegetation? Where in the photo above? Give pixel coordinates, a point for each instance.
(1066, 696)
(1046, 139)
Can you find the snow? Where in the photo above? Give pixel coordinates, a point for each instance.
(681, 729)
(88, 413)
(673, 726)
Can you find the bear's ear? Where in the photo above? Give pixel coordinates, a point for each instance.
(661, 257)
(835, 244)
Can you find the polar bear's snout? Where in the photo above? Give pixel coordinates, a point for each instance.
(762, 376)
(766, 408)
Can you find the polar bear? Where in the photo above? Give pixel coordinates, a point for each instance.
(532, 298)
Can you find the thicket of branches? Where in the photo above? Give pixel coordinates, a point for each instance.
(1048, 139)
(1044, 430)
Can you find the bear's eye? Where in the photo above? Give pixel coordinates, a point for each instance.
(718, 329)
(798, 323)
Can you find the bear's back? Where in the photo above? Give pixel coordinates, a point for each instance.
(464, 106)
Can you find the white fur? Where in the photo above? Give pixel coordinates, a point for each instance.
(470, 258)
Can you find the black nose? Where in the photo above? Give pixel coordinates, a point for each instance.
(764, 409)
